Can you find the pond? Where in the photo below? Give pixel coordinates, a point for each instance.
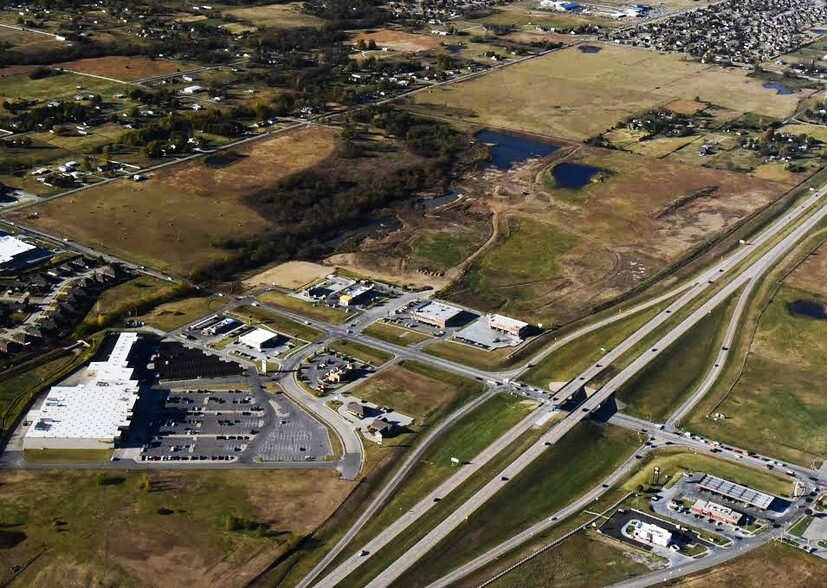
(808, 309)
(9, 539)
(589, 49)
(453, 49)
(819, 31)
(779, 88)
(573, 175)
(510, 149)
(430, 203)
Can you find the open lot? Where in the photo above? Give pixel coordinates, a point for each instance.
(187, 209)
(771, 564)
(417, 390)
(577, 95)
(280, 16)
(291, 275)
(96, 528)
(125, 68)
(172, 315)
(396, 335)
(57, 87)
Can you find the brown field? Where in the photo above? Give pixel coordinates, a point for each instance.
(124, 68)
(560, 251)
(291, 275)
(400, 41)
(86, 528)
(774, 564)
(185, 209)
(27, 41)
(688, 107)
(577, 95)
(283, 16)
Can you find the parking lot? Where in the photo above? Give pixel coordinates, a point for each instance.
(614, 526)
(403, 317)
(328, 371)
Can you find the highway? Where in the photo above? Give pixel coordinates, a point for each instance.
(752, 270)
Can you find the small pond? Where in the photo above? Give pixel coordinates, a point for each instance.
(573, 175)
(510, 149)
(779, 88)
(589, 49)
(430, 203)
(9, 539)
(808, 309)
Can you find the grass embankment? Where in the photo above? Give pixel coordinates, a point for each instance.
(20, 384)
(471, 356)
(255, 315)
(655, 391)
(441, 250)
(463, 441)
(360, 352)
(573, 357)
(173, 315)
(547, 485)
(800, 527)
(313, 310)
(127, 528)
(774, 564)
(418, 390)
(584, 560)
(395, 335)
(67, 456)
(674, 462)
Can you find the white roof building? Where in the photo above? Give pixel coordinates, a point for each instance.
(11, 247)
(507, 325)
(437, 314)
(653, 534)
(92, 414)
(258, 338)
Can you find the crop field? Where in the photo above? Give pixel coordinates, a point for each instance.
(57, 87)
(100, 528)
(281, 16)
(560, 251)
(125, 68)
(576, 95)
(400, 41)
(774, 564)
(187, 209)
(416, 390)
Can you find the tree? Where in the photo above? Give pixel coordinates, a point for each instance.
(145, 483)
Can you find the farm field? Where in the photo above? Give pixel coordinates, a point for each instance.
(562, 251)
(771, 564)
(125, 68)
(417, 390)
(101, 528)
(576, 95)
(57, 87)
(187, 209)
(400, 41)
(278, 16)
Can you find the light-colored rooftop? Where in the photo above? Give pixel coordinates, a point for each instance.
(257, 337)
(11, 246)
(437, 310)
(506, 322)
(97, 408)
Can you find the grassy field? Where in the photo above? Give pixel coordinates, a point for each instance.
(776, 405)
(138, 292)
(280, 16)
(473, 356)
(172, 315)
(417, 390)
(360, 352)
(577, 95)
(126, 68)
(100, 528)
(57, 87)
(673, 462)
(186, 208)
(314, 310)
(545, 486)
(256, 315)
(774, 564)
(584, 560)
(464, 440)
(67, 456)
(655, 391)
(570, 359)
(442, 250)
(395, 335)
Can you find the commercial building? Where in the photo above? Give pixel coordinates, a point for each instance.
(92, 414)
(508, 325)
(356, 409)
(223, 326)
(736, 492)
(716, 512)
(16, 254)
(356, 295)
(259, 339)
(438, 314)
(651, 534)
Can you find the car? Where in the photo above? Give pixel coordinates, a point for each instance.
(363, 553)
(504, 478)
